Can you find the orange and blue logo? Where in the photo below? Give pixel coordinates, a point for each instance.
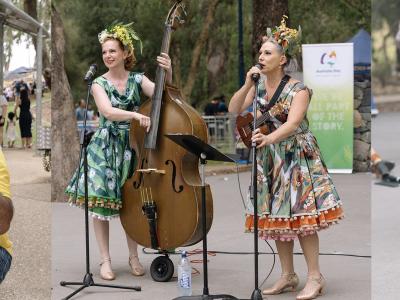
(328, 58)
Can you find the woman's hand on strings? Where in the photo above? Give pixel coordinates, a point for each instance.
(164, 61)
(144, 121)
(260, 139)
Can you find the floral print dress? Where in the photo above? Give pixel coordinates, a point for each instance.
(295, 193)
(110, 158)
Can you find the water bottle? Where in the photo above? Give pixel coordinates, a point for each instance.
(184, 276)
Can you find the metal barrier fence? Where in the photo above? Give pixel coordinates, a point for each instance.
(91, 126)
(221, 132)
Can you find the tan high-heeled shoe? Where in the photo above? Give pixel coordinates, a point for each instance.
(287, 282)
(106, 275)
(136, 267)
(313, 288)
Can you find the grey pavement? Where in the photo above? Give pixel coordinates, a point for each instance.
(385, 211)
(347, 277)
(29, 276)
(388, 103)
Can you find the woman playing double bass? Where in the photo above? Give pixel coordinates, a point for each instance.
(110, 158)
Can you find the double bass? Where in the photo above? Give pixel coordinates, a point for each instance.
(162, 200)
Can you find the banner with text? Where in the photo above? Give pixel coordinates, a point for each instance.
(328, 71)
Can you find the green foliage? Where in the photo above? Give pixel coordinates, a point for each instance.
(385, 23)
(385, 11)
(321, 21)
(329, 21)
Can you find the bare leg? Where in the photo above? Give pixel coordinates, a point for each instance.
(132, 246)
(310, 246)
(136, 267)
(285, 252)
(102, 230)
(288, 278)
(29, 142)
(315, 281)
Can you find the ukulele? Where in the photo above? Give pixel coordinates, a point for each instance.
(244, 123)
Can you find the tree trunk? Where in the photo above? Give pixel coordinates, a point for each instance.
(30, 7)
(216, 59)
(200, 43)
(266, 13)
(65, 145)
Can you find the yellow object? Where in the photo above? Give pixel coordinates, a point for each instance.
(5, 191)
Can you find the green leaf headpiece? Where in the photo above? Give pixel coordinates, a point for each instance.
(124, 33)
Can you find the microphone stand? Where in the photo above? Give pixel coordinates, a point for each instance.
(256, 295)
(84, 141)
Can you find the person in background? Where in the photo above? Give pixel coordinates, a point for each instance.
(25, 116)
(10, 130)
(211, 109)
(3, 116)
(80, 110)
(6, 214)
(222, 108)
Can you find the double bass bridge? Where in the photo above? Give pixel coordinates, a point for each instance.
(151, 171)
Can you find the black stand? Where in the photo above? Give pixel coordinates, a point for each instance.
(88, 278)
(204, 152)
(256, 295)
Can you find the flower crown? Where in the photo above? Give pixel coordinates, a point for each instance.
(124, 33)
(289, 39)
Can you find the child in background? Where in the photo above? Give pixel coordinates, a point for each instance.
(10, 129)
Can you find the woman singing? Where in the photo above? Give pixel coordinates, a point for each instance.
(296, 196)
(110, 158)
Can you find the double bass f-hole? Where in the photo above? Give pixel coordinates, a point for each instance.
(137, 184)
(174, 176)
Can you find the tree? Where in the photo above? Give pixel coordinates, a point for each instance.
(30, 7)
(266, 13)
(199, 46)
(65, 146)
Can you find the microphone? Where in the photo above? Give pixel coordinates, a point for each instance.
(256, 76)
(91, 72)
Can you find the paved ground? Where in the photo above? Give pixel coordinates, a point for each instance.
(29, 277)
(347, 277)
(385, 211)
(388, 103)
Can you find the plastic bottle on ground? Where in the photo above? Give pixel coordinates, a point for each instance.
(184, 276)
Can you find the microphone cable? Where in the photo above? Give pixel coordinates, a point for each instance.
(215, 252)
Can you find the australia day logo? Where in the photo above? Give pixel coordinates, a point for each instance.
(328, 58)
(328, 64)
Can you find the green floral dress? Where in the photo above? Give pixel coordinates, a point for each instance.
(110, 158)
(296, 195)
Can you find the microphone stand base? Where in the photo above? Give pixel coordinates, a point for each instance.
(207, 297)
(257, 295)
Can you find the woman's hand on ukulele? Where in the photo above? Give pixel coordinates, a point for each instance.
(260, 139)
